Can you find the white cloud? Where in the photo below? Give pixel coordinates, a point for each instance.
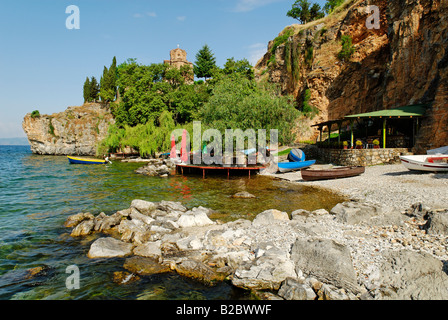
(249, 5)
(256, 52)
(181, 18)
(146, 14)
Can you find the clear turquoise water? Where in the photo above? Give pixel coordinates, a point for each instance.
(38, 193)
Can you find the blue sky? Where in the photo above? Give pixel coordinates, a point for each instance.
(43, 65)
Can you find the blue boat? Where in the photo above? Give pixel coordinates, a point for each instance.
(292, 166)
(74, 160)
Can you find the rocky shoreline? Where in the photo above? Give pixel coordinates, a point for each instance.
(358, 250)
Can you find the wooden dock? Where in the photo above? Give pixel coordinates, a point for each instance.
(191, 168)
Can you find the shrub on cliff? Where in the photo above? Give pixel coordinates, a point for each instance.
(347, 48)
(35, 114)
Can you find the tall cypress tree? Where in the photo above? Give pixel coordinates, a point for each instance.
(94, 89)
(108, 89)
(205, 62)
(87, 90)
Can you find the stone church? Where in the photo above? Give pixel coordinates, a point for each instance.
(178, 58)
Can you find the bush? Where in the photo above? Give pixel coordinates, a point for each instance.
(347, 48)
(35, 114)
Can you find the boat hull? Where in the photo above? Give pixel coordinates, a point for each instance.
(73, 160)
(420, 163)
(335, 173)
(293, 166)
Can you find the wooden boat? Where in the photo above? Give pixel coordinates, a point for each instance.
(292, 166)
(74, 160)
(425, 163)
(333, 173)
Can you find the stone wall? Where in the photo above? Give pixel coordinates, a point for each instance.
(355, 157)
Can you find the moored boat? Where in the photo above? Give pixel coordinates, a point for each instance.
(292, 166)
(425, 163)
(75, 160)
(333, 173)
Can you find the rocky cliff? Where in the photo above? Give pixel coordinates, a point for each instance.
(403, 62)
(76, 131)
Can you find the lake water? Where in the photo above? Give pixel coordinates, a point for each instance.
(38, 193)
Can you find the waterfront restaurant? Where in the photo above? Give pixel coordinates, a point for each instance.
(392, 130)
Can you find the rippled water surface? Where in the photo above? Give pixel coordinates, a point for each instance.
(38, 193)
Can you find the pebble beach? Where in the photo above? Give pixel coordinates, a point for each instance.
(391, 186)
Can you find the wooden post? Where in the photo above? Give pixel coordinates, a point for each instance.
(339, 132)
(351, 133)
(384, 133)
(203, 173)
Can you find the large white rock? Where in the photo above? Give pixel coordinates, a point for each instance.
(270, 216)
(144, 207)
(197, 218)
(109, 248)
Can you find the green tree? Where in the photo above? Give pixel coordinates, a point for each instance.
(87, 90)
(301, 11)
(240, 103)
(205, 62)
(331, 5)
(239, 67)
(94, 89)
(316, 12)
(108, 88)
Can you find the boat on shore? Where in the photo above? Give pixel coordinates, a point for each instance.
(293, 166)
(431, 163)
(333, 173)
(75, 160)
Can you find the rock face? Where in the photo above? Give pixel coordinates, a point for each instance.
(76, 131)
(396, 65)
(317, 255)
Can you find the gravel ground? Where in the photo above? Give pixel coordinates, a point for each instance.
(391, 186)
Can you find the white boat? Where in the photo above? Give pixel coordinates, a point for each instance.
(434, 163)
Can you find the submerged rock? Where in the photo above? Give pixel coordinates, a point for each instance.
(145, 266)
(244, 195)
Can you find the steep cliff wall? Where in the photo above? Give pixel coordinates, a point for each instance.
(402, 63)
(76, 131)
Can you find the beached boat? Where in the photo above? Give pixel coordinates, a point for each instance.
(293, 166)
(74, 160)
(333, 173)
(433, 163)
